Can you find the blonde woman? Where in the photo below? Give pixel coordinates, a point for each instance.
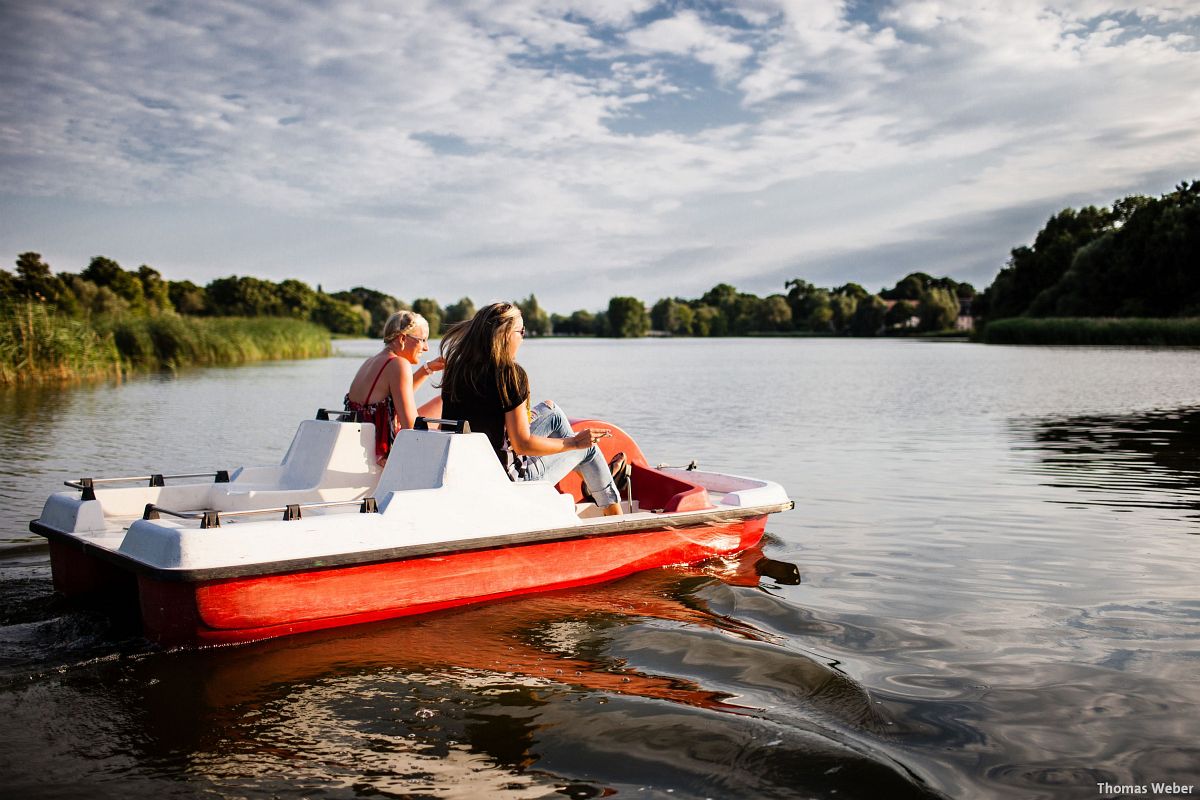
(484, 385)
(383, 389)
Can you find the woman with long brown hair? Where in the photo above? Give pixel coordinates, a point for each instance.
(484, 385)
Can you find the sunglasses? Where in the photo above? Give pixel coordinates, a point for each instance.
(420, 339)
(521, 333)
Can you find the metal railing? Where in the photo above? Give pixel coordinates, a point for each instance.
(88, 485)
(211, 518)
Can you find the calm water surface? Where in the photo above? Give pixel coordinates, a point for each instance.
(999, 555)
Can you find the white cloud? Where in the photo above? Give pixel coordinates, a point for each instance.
(469, 135)
(686, 34)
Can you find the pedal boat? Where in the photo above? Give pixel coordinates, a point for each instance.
(327, 538)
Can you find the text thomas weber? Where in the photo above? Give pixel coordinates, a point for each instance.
(1152, 789)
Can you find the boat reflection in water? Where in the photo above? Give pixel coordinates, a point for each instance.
(636, 683)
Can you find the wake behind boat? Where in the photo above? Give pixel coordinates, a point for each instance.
(327, 538)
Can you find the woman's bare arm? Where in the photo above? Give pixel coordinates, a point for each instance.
(524, 443)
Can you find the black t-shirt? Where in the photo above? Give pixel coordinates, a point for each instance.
(485, 413)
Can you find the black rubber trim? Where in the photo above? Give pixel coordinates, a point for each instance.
(674, 521)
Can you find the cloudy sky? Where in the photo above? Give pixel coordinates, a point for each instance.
(581, 149)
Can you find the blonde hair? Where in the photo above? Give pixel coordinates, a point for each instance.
(401, 323)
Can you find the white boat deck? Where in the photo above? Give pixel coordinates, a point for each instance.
(437, 489)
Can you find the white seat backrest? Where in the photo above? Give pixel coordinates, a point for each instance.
(320, 446)
(432, 459)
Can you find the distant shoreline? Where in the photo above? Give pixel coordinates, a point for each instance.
(1115, 331)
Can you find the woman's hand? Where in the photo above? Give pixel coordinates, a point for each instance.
(588, 437)
(435, 365)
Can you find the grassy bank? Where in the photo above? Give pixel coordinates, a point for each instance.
(38, 344)
(1095, 331)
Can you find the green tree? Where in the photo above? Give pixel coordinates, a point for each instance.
(379, 305)
(106, 273)
(775, 314)
(627, 318)
(582, 322)
(243, 297)
(938, 309)
(1033, 270)
(537, 321)
(851, 290)
(339, 316)
(154, 289)
(745, 314)
(868, 316)
(723, 298)
(708, 321)
(297, 299)
(821, 318)
(910, 287)
(461, 311)
(187, 297)
(900, 314)
(809, 305)
(35, 281)
(843, 305)
(673, 316)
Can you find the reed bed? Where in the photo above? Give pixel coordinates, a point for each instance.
(40, 345)
(1094, 331)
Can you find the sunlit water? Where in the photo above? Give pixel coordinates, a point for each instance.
(999, 597)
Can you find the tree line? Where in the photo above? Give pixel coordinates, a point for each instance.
(918, 302)
(1139, 257)
(105, 289)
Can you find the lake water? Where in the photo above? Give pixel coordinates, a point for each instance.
(999, 599)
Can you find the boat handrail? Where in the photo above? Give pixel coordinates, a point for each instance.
(346, 416)
(452, 425)
(211, 518)
(88, 485)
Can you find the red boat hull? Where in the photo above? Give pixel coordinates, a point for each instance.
(261, 607)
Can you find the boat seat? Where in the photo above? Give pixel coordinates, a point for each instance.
(433, 459)
(326, 461)
(453, 480)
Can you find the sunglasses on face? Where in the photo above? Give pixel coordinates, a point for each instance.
(421, 339)
(521, 332)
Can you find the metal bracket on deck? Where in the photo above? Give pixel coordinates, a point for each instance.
(347, 416)
(455, 425)
(291, 512)
(369, 506)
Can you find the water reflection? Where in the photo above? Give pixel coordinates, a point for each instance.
(1149, 459)
(642, 684)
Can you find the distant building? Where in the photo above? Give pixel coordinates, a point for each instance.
(912, 321)
(965, 320)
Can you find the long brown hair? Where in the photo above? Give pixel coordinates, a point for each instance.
(476, 350)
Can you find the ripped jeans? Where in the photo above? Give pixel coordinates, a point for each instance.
(590, 464)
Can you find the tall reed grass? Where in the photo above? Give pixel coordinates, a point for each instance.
(1094, 330)
(37, 344)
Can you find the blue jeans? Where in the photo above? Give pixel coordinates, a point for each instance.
(590, 464)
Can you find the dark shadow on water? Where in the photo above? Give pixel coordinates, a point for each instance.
(1148, 459)
(632, 685)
